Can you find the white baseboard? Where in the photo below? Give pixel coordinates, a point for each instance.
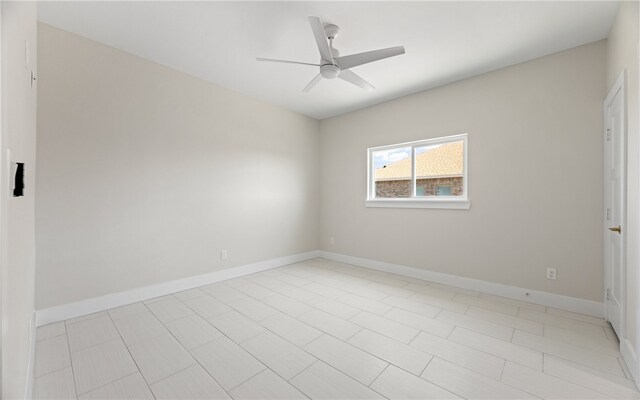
(32, 357)
(92, 305)
(630, 358)
(574, 304)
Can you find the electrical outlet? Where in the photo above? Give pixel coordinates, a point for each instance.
(223, 255)
(332, 240)
(551, 274)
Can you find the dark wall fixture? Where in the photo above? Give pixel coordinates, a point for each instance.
(18, 185)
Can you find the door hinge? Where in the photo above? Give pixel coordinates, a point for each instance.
(608, 134)
(608, 294)
(608, 214)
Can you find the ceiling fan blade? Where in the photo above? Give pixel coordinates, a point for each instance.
(313, 82)
(321, 39)
(285, 61)
(354, 60)
(355, 79)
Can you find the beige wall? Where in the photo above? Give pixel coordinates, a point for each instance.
(622, 46)
(17, 214)
(535, 177)
(145, 174)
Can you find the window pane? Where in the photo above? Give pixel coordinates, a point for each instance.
(439, 169)
(392, 173)
(443, 191)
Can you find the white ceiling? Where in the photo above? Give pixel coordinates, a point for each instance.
(444, 41)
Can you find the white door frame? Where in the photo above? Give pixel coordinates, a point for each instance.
(2, 216)
(618, 88)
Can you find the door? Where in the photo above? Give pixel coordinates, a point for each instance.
(615, 205)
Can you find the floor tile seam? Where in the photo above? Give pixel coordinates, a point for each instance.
(274, 372)
(506, 325)
(174, 319)
(131, 355)
(130, 315)
(576, 319)
(270, 289)
(576, 347)
(196, 312)
(466, 347)
(388, 319)
(66, 324)
(143, 339)
(604, 351)
(115, 380)
(579, 363)
(578, 384)
(282, 337)
(424, 379)
(434, 303)
(489, 353)
(52, 372)
(84, 318)
(72, 351)
(190, 353)
(476, 320)
(573, 329)
(513, 333)
(375, 356)
(306, 368)
(420, 330)
(411, 312)
(75, 390)
(556, 377)
(427, 366)
(51, 337)
(378, 376)
(340, 372)
(73, 374)
(328, 333)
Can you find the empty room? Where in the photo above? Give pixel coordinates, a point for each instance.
(319, 200)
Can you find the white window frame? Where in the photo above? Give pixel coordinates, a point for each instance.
(446, 202)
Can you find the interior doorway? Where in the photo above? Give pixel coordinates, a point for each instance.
(615, 150)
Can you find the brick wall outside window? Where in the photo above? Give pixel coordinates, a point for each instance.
(402, 188)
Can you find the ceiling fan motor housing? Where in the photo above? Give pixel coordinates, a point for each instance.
(329, 71)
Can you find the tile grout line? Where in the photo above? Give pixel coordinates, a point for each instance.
(196, 361)
(73, 373)
(504, 361)
(70, 366)
(271, 369)
(556, 377)
(378, 376)
(115, 380)
(306, 368)
(426, 366)
(312, 281)
(239, 344)
(130, 355)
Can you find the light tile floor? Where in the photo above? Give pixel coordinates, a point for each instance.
(327, 330)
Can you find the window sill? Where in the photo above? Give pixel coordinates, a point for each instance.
(451, 204)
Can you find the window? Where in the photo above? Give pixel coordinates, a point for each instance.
(429, 173)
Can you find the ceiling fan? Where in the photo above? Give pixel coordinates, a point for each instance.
(332, 65)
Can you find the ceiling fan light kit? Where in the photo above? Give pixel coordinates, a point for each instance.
(332, 65)
(329, 71)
